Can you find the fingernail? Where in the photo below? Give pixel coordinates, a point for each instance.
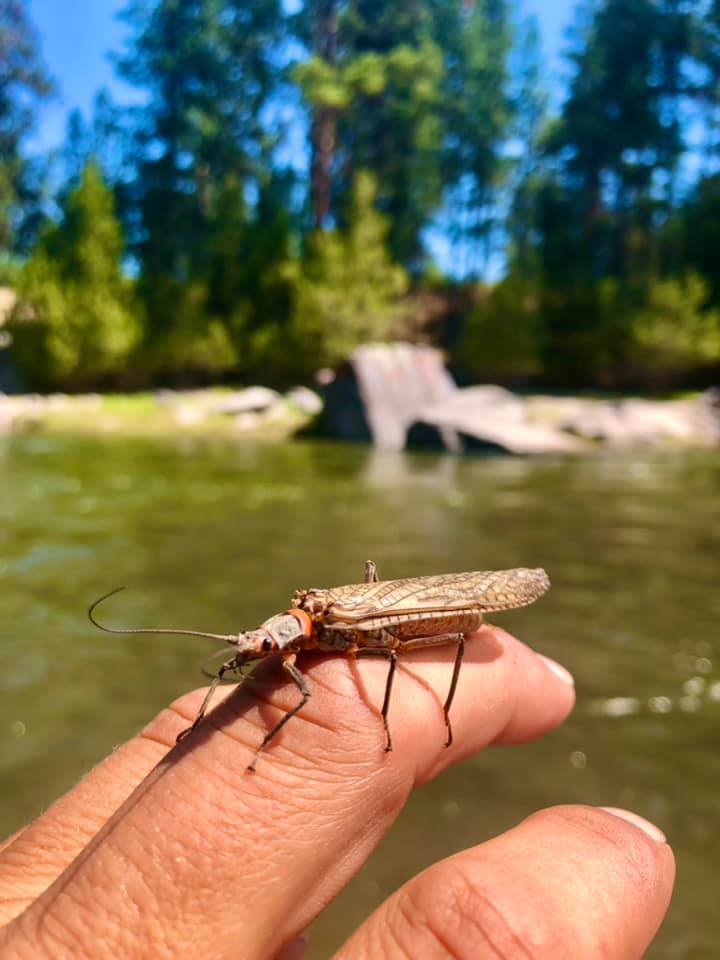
(558, 670)
(655, 833)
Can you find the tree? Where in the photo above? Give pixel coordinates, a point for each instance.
(529, 118)
(699, 221)
(104, 137)
(24, 84)
(249, 274)
(619, 129)
(673, 333)
(372, 84)
(393, 126)
(74, 323)
(317, 25)
(477, 111)
(348, 290)
(607, 194)
(208, 68)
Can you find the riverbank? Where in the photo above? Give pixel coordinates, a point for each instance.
(252, 412)
(490, 415)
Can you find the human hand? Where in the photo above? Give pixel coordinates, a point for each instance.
(186, 854)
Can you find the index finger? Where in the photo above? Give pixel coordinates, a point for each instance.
(205, 853)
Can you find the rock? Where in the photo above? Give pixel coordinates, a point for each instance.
(709, 413)
(390, 391)
(246, 421)
(306, 400)
(487, 416)
(636, 422)
(188, 415)
(249, 400)
(377, 395)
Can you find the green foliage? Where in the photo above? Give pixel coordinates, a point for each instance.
(501, 338)
(699, 224)
(347, 288)
(672, 332)
(207, 66)
(477, 111)
(24, 84)
(372, 81)
(396, 135)
(424, 117)
(617, 139)
(74, 322)
(651, 335)
(528, 124)
(196, 346)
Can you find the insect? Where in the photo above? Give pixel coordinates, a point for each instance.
(375, 618)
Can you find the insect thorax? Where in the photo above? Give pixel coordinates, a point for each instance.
(315, 602)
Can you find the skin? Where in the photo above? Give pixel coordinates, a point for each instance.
(185, 854)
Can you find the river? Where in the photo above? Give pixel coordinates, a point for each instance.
(217, 536)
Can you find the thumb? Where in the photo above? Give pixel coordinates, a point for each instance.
(567, 882)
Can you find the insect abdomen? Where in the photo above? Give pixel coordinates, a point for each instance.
(403, 626)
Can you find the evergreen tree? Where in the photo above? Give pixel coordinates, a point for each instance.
(612, 157)
(529, 99)
(372, 83)
(393, 125)
(318, 26)
(477, 111)
(74, 323)
(250, 277)
(105, 138)
(348, 290)
(24, 84)
(208, 67)
(699, 222)
(619, 128)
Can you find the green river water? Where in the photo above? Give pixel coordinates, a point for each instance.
(217, 536)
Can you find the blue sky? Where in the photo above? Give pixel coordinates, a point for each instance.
(76, 38)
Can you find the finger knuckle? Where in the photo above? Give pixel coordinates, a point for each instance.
(455, 917)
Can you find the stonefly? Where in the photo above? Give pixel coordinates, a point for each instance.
(378, 618)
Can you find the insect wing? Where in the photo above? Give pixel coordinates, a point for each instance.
(479, 590)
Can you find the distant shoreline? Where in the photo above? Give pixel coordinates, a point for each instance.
(259, 413)
(256, 412)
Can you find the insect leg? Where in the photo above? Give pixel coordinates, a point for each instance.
(390, 655)
(228, 665)
(453, 685)
(371, 574)
(445, 638)
(288, 664)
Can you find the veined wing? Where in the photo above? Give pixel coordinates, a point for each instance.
(478, 590)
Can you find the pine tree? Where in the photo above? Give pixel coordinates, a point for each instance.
(348, 291)
(74, 324)
(393, 126)
(477, 111)
(24, 84)
(372, 84)
(619, 126)
(601, 208)
(317, 25)
(208, 67)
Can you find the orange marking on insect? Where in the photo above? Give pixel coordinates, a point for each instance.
(305, 621)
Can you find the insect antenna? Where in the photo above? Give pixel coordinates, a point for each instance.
(227, 637)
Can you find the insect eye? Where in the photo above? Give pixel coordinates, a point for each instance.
(267, 645)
